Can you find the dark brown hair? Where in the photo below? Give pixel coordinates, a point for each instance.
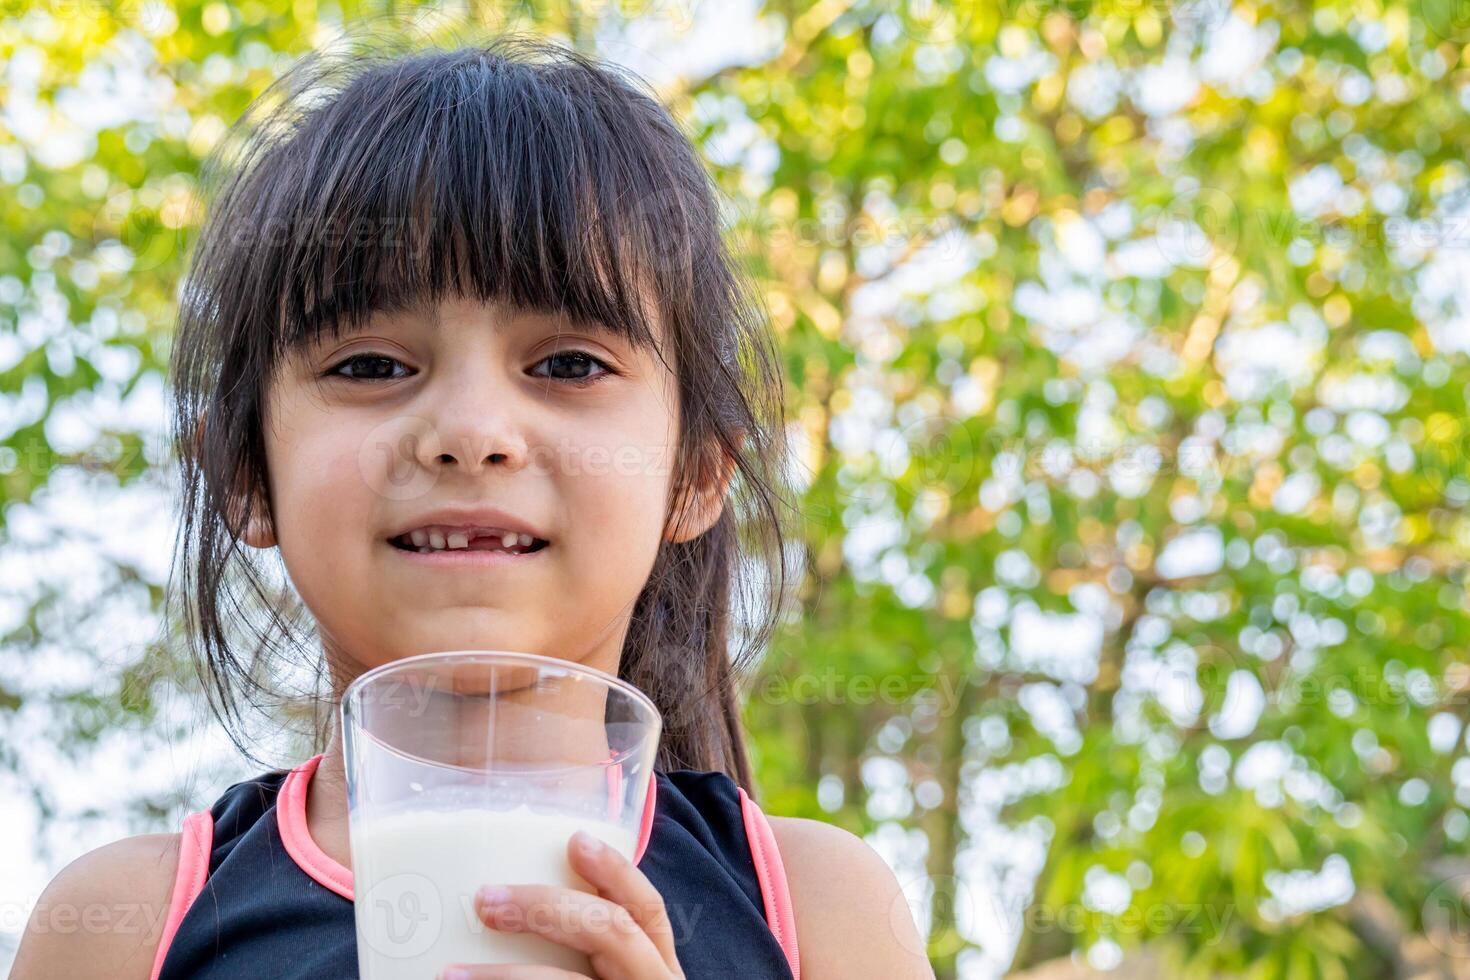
(521, 172)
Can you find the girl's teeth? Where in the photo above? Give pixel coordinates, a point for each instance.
(425, 541)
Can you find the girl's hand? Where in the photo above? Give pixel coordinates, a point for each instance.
(624, 928)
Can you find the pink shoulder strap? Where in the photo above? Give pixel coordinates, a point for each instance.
(772, 876)
(196, 840)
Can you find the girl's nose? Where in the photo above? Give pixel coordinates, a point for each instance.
(407, 455)
(467, 440)
(476, 423)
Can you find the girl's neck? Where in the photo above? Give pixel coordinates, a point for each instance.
(551, 723)
(326, 797)
(328, 789)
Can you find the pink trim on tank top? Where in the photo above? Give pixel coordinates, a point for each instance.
(291, 820)
(772, 876)
(196, 840)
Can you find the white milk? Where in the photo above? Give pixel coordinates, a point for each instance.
(415, 877)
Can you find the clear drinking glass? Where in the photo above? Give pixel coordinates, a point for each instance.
(475, 767)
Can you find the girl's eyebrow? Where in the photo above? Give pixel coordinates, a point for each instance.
(416, 307)
(414, 312)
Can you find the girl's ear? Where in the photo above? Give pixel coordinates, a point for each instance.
(698, 508)
(257, 530)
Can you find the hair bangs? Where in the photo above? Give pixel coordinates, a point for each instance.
(472, 177)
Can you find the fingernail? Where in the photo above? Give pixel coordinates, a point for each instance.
(493, 894)
(455, 973)
(586, 843)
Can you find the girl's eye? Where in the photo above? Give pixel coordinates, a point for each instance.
(576, 367)
(366, 367)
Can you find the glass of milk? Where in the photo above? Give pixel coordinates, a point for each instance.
(475, 767)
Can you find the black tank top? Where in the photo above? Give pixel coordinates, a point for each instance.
(255, 897)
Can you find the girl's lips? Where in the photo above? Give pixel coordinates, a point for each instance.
(464, 557)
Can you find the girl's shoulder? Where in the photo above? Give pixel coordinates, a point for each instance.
(852, 916)
(103, 914)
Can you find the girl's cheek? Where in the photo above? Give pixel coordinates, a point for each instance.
(622, 512)
(324, 491)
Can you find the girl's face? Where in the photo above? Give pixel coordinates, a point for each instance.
(450, 421)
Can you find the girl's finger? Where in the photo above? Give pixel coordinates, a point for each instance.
(618, 880)
(618, 947)
(506, 971)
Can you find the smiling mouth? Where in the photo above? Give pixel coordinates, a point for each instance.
(453, 542)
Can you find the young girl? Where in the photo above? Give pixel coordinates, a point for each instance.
(462, 343)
